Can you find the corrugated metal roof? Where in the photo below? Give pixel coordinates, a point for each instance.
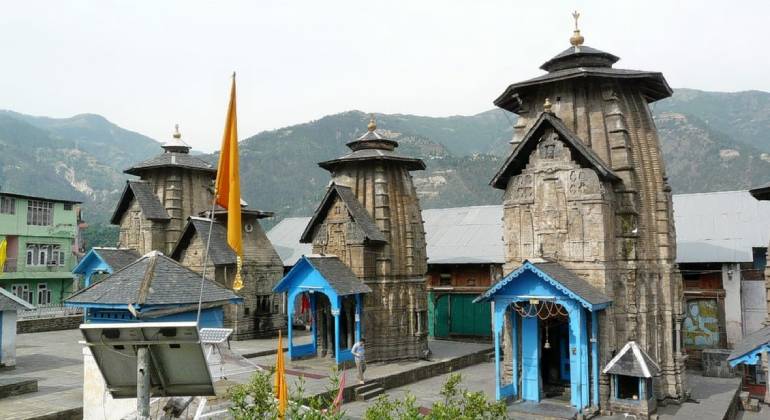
(720, 226)
(710, 227)
(460, 235)
(285, 239)
(464, 235)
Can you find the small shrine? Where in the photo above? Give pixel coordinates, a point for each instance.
(632, 372)
(335, 297)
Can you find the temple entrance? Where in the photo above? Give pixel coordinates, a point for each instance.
(546, 331)
(325, 325)
(554, 356)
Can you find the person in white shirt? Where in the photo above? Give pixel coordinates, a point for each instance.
(358, 352)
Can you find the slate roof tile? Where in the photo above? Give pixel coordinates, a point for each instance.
(338, 275)
(117, 258)
(154, 279)
(172, 159)
(148, 202)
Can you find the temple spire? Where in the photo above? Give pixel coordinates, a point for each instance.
(176, 144)
(372, 123)
(576, 39)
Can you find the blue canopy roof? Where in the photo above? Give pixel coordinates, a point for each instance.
(322, 273)
(557, 276)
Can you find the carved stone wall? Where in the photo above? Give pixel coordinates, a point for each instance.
(395, 313)
(619, 236)
(139, 233)
(262, 312)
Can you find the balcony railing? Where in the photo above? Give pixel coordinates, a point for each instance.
(49, 311)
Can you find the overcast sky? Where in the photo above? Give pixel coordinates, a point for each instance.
(147, 65)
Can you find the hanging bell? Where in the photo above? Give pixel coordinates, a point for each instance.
(547, 345)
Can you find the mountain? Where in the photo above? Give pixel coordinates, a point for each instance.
(79, 158)
(711, 141)
(743, 116)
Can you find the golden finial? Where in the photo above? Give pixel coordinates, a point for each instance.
(547, 106)
(177, 134)
(576, 39)
(372, 123)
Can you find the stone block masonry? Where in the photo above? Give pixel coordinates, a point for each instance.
(49, 324)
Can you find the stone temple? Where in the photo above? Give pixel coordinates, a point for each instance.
(161, 211)
(367, 275)
(589, 236)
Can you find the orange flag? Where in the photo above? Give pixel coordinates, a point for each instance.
(281, 389)
(228, 185)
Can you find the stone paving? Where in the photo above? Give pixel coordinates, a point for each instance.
(713, 396)
(315, 371)
(428, 391)
(55, 359)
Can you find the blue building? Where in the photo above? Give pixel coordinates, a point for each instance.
(154, 288)
(99, 262)
(549, 319)
(335, 298)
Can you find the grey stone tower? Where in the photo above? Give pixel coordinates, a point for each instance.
(371, 219)
(585, 186)
(173, 186)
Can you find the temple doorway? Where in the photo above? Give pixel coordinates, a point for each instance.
(554, 356)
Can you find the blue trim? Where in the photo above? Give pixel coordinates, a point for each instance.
(751, 358)
(528, 266)
(595, 357)
(530, 359)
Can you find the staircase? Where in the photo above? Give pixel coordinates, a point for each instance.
(557, 392)
(368, 391)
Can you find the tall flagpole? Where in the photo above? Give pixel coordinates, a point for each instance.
(208, 243)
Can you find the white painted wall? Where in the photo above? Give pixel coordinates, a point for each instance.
(98, 404)
(731, 281)
(8, 338)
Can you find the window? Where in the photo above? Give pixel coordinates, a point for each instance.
(7, 205)
(31, 254)
(68, 206)
(445, 280)
(43, 294)
(39, 213)
(22, 291)
(44, 254)
(628, 387)
(263, 304)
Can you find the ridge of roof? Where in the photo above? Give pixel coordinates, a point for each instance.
(519, 157)
(641, 364)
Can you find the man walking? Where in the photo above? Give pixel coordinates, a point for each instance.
(358, 352)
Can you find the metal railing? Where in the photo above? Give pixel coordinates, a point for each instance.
(49, 311)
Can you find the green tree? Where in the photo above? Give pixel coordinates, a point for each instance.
(255, 400)
(458, 404)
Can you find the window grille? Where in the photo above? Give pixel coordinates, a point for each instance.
(39, 213)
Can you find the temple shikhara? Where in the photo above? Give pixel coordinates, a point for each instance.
(589, 239)
(168, 209)
(367, 274)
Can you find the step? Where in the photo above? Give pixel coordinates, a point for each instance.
(368, 395)
(367, 387)
(17, 386)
